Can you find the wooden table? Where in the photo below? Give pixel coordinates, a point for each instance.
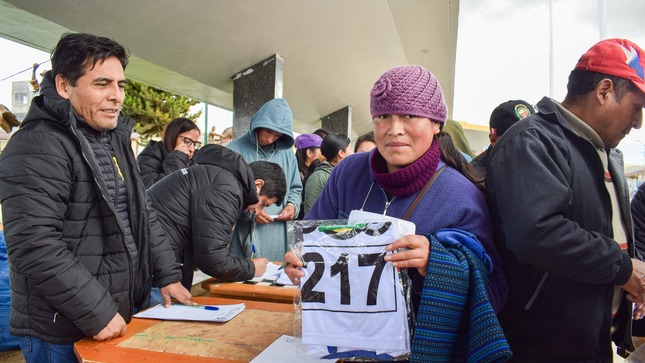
(238, 340)
(248, 291)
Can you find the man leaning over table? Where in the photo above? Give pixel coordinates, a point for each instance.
(84, 247)
(199, 206)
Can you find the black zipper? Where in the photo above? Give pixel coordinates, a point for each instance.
(113, 209)
(537, 291)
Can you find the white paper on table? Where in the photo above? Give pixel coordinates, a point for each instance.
(287, 349)
(192, 313)
(283, 279)
(272, 271)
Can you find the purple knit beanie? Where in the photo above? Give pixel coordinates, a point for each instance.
(409, 90)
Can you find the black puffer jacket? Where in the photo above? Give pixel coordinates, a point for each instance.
(70, 268)
(479, 164)
(155, 162)
(553, 218)
(198, 207)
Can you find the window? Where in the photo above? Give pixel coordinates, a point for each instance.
(20, 96)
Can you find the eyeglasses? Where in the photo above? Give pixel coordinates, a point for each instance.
(188, 141)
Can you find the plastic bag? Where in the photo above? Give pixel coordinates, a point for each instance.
(352, 305)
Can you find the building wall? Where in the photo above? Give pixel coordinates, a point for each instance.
(477, 136)
(21, 95)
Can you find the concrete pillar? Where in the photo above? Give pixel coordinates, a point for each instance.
(338, 122)
(252, 88)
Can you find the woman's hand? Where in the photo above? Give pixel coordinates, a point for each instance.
(292, 269)
(188, 150)
(413, 252)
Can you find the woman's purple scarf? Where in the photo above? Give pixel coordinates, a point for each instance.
(410, 179)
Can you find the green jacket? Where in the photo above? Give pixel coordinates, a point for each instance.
(315, 184)
(456, 132)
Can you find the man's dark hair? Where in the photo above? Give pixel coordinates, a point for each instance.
(301, 155)
(332, 144)
(76, 53)
(365, 137)
(582, 82)
(275, 183)
(454, 158)
(174, 129)
(322, 132)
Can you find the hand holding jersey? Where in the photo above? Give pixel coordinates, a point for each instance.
(345, 279)
(413, 252)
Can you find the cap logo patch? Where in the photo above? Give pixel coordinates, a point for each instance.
(521, 111)
(633, 60)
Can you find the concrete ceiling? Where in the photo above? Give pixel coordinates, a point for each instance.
(333, 50)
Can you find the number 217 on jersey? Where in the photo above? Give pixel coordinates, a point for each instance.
(346, 272)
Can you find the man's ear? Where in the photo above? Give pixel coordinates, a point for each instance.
(63, 87)
(603, 89)
(492, 138)
(259, 183)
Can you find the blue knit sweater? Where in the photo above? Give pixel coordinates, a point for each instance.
(456, 322)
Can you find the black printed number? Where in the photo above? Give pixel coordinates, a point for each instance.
(307, 292)
(376, 260)
(341, 267)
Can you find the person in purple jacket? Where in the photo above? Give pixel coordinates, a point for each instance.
(409, 112)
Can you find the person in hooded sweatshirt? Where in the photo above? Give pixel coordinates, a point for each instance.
(198, 207)
(270, 138)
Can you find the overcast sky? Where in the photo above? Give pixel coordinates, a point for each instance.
(502, 54)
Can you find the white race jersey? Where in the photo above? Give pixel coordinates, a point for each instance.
(350, 296)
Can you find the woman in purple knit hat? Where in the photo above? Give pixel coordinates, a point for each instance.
(409, 112)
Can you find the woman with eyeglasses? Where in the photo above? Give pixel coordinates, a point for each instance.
(176, 150)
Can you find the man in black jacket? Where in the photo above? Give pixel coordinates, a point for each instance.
(199, 206)
(83, 245)
(559, 200)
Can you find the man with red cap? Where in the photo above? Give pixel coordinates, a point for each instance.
(560, 205)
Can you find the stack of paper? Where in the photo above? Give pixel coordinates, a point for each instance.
(271, 272)
(214, 313)
(274, 273)
(287, 349)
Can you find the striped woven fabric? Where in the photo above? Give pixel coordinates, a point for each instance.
(456, 322)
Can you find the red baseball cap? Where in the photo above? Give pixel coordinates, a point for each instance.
(618, 58)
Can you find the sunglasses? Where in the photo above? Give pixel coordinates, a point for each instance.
(188, 141)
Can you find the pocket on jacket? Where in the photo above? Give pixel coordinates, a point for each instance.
(532, 287)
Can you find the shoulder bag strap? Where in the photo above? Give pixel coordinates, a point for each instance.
(421, 193)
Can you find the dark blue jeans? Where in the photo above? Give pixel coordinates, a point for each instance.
(155, 296)
(39, 351)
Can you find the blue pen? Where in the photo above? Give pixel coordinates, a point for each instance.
(253, 250)
(205, 307)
